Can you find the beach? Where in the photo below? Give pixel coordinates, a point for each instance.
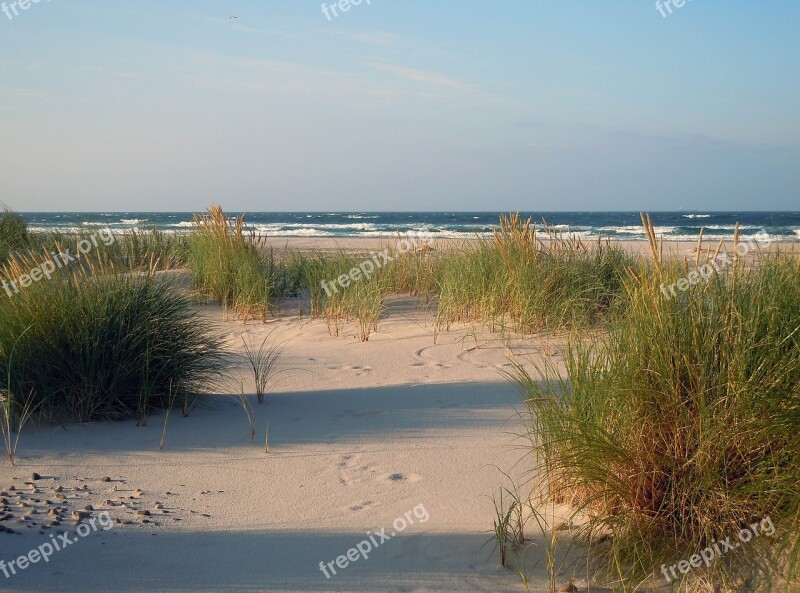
(378, 460)
(328, 245)
(359, 434)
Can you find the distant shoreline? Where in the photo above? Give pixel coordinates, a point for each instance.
(349, 244)
(588, 226)
(364, 245)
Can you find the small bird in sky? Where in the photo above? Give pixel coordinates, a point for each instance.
(234, 17)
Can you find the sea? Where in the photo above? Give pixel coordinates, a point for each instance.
(781, 226)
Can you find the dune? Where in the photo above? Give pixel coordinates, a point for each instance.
(399, 432)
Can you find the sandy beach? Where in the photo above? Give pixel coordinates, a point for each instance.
(674, 249)
(359, 435)
(385, 458)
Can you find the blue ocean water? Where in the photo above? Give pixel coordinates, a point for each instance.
(782, 226)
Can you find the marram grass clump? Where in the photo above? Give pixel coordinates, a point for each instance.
(681, 426)
(363, 299)
(13, 234)
(227, 267)
(531, 279)
(97, 342)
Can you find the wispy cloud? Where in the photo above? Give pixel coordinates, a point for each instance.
(370, 37)
(422, 76)
(274, 77)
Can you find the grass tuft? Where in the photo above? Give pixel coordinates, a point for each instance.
(13, 234)
(96, 341)
(228, 268)
(680, 426)
(534, 278)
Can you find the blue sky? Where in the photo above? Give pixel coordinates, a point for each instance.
(400, 105)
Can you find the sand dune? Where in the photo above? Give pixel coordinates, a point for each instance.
(360, 434)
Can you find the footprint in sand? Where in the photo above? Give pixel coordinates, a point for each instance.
(443, 361)
(398, 477)
(421, 355)
(356, 370)
(353, 471)
(360, 507)
(477, 357)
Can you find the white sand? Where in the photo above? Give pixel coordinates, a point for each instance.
(360, 433)
(675, 249)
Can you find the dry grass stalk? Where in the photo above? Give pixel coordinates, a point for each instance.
(699, 249)
(655, 248)
(215, 221)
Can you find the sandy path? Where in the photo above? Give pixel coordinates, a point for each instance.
(360, 434)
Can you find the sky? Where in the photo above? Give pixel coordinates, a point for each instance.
(400, 105)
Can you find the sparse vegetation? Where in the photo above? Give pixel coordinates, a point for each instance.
(227, 267)
(675, 424)
(13, 416)
(525, 279)
(531, 279)
(262, 362)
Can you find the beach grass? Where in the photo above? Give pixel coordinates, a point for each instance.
(262, 361)
(13, 234)
(415, 272)
(679, 426)
(227, 267)
(97, 341)
(529, 279)
(150, 249)
(318, 269)
(361, 301)
(526, 279)
(135, 249)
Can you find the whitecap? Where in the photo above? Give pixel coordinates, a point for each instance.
(297, 233)
(731, 227)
